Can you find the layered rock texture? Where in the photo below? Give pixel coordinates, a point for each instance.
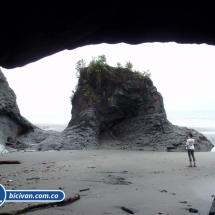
(125, 111)
(116, 109)
(119, 109)
(30, 31)
(12, 124)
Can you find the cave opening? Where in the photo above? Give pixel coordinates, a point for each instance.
(183, 74)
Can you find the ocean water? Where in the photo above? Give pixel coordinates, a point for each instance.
(202, 121)
(191, 119)
(205, 120)
(48, 118)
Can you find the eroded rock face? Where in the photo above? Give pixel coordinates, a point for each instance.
(12, 124)
(119, 109)
(126, 108)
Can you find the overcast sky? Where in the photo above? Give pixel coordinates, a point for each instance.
(183, 74)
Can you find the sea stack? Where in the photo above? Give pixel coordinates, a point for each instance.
(124, 110)
(114, 109)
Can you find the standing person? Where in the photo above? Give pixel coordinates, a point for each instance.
(190, 150)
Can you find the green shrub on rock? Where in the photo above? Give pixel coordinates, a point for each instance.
(93, 78)
(129, 65)
(80, 65)
(147, 73)
(90, 94)
(119, 65)
(96, 69)
(97, 66)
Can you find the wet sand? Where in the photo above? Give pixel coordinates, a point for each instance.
(148, 182)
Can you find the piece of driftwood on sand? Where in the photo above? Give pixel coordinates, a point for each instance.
(10, 162)
(42, 205)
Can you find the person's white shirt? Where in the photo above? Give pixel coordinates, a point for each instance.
(190, 143)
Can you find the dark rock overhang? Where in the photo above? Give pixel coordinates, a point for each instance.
(30, 30)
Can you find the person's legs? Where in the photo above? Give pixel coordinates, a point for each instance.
(194, 160)
(189, 155)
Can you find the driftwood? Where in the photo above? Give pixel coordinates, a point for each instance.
(10, 162)
(32, 178)
(127, 210)
(84, 189)
(42, 205)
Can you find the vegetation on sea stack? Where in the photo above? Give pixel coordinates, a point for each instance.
(93, 76)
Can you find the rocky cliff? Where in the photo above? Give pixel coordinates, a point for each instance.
(117, 109)
(125, 111)
(12, 124)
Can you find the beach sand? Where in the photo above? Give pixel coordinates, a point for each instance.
(147, 182)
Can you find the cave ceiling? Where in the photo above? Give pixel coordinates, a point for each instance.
(31, 30)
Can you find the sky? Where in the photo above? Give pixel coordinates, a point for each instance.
(183, 73)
